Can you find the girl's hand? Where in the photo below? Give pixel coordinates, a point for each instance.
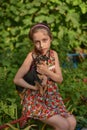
(42, 68)
(37, 85)
(35, 88)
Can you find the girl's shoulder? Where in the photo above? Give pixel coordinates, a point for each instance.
(53, 53)
(30, 54)
(28, 58)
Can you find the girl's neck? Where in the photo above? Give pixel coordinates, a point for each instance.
(37, 52)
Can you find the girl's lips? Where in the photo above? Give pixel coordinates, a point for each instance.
(43, 50)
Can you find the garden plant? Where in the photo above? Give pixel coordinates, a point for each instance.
(68, 22)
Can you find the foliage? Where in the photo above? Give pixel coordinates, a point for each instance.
(8, 110)
(14, 128)
(74, 89)
(68, 22)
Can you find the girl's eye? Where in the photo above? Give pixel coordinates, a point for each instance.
(36, 42)
(45, 40)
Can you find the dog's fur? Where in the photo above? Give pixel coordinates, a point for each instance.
(34, 78)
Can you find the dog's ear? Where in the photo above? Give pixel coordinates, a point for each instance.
(37, 59)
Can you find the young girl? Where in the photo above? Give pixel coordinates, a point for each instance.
(49, 107)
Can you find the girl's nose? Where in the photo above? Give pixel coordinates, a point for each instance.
(41, 45)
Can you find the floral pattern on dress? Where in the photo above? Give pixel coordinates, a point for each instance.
(42, 107)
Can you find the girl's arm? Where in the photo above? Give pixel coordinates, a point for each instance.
(57, 76)
(18, 79)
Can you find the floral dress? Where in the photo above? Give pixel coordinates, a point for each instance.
(41, 107)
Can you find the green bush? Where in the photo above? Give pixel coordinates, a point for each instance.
(68, 22)
(74, 89)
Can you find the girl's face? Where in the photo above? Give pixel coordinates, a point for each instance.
(42, 41)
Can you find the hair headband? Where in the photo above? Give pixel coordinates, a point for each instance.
(39, 25)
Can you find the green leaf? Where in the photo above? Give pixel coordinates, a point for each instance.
(62, 32)
(40, 18)
(68, 1)
(50, 19)
(32, 10)
(73, 17)
(27, 21)
(29, 127)
(11, 126)
(55, 1)
(43, 11)
(76, 2)
(44, 1)
(83, 7)
(63, 8)
(71, 34)
(55, 42)
(43, 128)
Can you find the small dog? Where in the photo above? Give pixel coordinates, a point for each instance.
(42, 81)
(34, 78)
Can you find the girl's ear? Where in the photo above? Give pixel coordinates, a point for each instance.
(50, 39)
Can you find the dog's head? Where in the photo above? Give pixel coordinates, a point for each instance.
(41, 58)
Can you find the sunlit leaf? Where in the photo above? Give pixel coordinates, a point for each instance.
(43, 128)
(11, 126)
(83, 7)
(28, 128)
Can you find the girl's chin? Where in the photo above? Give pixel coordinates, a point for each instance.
(44, 51)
